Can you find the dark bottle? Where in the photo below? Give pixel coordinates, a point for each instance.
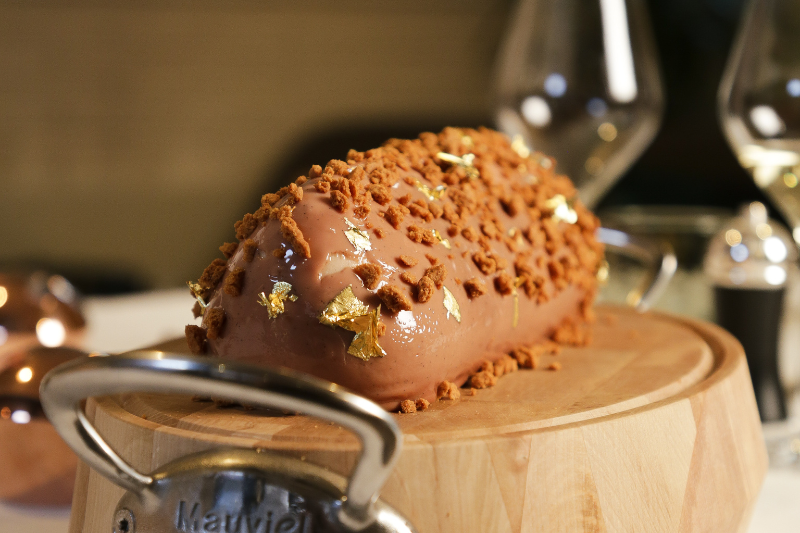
(748, 263)
(754, 317)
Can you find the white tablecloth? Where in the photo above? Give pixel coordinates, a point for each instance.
(129, 322)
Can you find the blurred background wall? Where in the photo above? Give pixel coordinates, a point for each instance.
(134, 134)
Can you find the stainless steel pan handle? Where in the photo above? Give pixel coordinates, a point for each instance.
(63, 389)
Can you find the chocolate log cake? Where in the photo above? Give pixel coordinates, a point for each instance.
(407, 271)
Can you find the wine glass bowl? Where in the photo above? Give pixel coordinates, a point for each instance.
(579, 81)
(759, 102)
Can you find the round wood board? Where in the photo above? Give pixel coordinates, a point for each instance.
(653, 427)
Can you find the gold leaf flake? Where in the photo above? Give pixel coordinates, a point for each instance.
(466, 162)
(451, 304)
(275, 301)
(197, 292)
(433, 194)
(602, 272)
(516, 234)
(515, 294)
(348, 312)
(519, 146)
(343, 307)
(365, 344)
(357, 237)
(442, 240)
(562, 209)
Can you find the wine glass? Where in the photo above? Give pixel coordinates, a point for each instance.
(759, 102)
(579, 80)
(759, 110)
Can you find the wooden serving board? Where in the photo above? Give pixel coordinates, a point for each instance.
(653, 428)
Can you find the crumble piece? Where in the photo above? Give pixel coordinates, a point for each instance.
(279, 213)
(485, 243)
(246, 226)
(338, 166)
(394, 215)
(315, 171)
(362, 211)
(422, 404)
(482, 380)
(474, 288)
(572, 334)
(214, 321)
(486, 264)
(379, 233)
(513, 204)
(213, 274)
(355, 188)
(437, 273)
(555, 365)
(489, 229)
(269, 199)
(323, 186)
(291, 232)
(424, 236)
(295, 193)
(420, 212)
(394, 299)
(380, 194)
(234, 281)
(551, 348)
(470, 233)
(505, 365)
(533, 285)
(504, 284)
(370, 274)
(408, 277)
(249, 248)
(450, 214)
(196, 339)
(339, 201)
(432, 259)
(425, 289)
(415, 233)
(525, 357)
(408, 406)
(228, 249)
(447, 391)
(556, 270)
(407, 261)
(358, 174)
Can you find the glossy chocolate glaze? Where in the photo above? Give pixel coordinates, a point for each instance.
(423, 346)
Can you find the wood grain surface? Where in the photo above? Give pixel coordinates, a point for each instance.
(652, 428)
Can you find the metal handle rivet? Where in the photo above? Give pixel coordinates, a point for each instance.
(124, 522)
